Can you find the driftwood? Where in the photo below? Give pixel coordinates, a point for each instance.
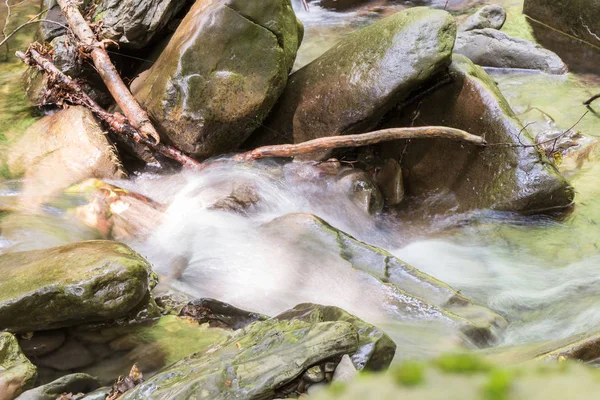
(136, 115)
(74, 94)
(364, 139)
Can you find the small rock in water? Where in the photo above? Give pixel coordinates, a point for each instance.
(390, 181)
(330, 366)
(70, 356)
(316, 388)
(41, 343)
(492, 16)
(314, 374)
(345, 371)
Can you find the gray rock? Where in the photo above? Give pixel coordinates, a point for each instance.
(54, 21)
(71, 356)
(314, 374)
(579, 18)
(206, 98)
(508, 178)
(361, 189)
(492, 16)
(376, 349)
(219, 314)
(350, 87)
(492, 48)
(42, 343)
(390, 181)
(69, 285)
(316, 388)
(99, 394)
(134, 23)
(74, 383)
(252, 363)
(346, 371)
(17, 374)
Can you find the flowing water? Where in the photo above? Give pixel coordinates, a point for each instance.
(539, 272)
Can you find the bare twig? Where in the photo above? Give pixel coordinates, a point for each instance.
(33, 20)
(76, 95)
(591, 100)
(305, 5)
(123, 97)
(364, 139)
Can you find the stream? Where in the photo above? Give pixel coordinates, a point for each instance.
(539, 272)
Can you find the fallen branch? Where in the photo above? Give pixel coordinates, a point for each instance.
(591, 100)
(74, 94)
(364, 139)
(136, 115)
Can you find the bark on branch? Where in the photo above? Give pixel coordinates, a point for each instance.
(136, 115)
(73, 93)
(364, 139)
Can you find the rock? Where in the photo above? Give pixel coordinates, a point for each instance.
(206, 98)
(409, 294)
(41, 343)
(133, 23)
(151, 345)
(116, 213)
(578, 18)
(74, 383)
(219, 314)
(60, 150)
(71, 356)
(506, 178)
(99, 394)
(390, 181)
(376, 349)
(242, 197)
(69, 285)
(345, 371)
(316, 388)
(314, 374)
(350, 87)
(339, 5)
(54, 21)
(492, 16)
(252, 364)
(491, 48)
(360, 189)
(17, 374)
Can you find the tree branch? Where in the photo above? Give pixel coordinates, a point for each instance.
(76, 95)
(591, 100)
(123, 97)
(364, 139)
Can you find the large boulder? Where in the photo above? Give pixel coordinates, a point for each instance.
(17, 374)
(134, 23)
(253, 363)
(69, 285)
(491, 48)
(579, 18)
(206, 97)
(509, 175)
(350, 87)
(60, 150)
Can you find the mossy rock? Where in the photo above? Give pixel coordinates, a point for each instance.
(69, 285)
(376, 349)
(253, 363)
(351, 87)
(221, 73)
(17, 374)
(73, 383)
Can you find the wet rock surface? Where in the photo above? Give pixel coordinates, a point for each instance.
(220, 315)
(254, 362)
(492, 48)
(205, 98)
(505, 176)
(60, 150)
(17, 374)
(73, 383)
(350, 87)
(492, 16)
(69, 285)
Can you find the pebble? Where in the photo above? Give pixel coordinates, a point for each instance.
(314, 374)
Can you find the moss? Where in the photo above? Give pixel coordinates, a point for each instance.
(462, 364)
(409, 374)
(498, 385)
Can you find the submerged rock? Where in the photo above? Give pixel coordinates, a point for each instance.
(339, 5)
(17, 374)
(350, 87)
(133, 23)
(252, 364)
(492, 16)
(73, 383)
(579, 18)
(492, 48)
(60, 150)
(407, 294)
(219, 314)
(69, 285)
(375, 348)
(503, 176)
(206, 97)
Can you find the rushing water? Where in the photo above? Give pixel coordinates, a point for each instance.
(538, 272)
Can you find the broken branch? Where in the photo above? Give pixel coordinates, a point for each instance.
(591, 100)
(117, 122)
(136, 115)
(364, 139)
